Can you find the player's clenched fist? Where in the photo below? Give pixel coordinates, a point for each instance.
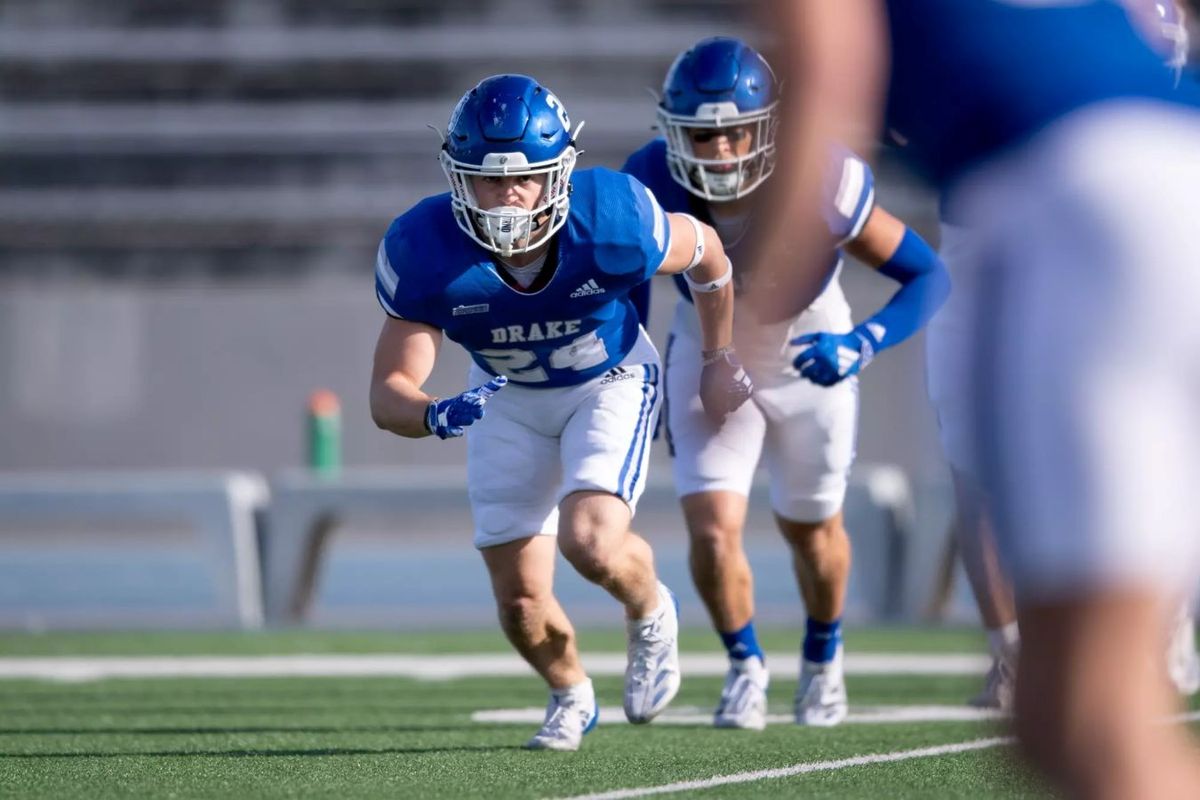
(724, 384)
(448, 418)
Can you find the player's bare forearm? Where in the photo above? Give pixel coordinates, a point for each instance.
(715, 311)
(399, 407)
(696, 252)
(714, 308)
(832, 61)
(404, 358)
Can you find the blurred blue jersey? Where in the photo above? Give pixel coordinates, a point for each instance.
(574, 323)
(970, 78)
(847, 201)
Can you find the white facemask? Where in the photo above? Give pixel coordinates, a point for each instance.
(510, 229)
(748, 171)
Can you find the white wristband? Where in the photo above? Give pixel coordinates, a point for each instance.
(698, 251)
(713, 285)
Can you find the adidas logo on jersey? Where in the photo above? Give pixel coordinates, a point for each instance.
(618, 374)
(589, 288)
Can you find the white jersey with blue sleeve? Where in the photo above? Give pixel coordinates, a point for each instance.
(574, 323)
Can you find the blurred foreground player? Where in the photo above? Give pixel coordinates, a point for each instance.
(1071, 155)
(948, 364)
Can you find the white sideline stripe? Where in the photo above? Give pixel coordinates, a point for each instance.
(693, 715)
(437, 668)
(820, 766)
(800, 769)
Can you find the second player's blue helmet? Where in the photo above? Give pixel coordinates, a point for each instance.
(719, 83)
(510, 125)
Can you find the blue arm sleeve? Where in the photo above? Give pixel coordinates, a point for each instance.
(925, 285)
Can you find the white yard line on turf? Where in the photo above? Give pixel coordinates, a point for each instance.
(432, 667)
(799, 769)
(818, 766)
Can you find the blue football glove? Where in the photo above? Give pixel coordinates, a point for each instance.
(830, 358)
(724, 384)
(448, 418)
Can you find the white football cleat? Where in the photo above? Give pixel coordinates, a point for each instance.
(652, 674)
(999, 688)
(821, 694)
(568, 718)
(743, 702)
(1183, 664)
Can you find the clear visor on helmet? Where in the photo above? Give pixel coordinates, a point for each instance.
(508, 229)
(726, 178)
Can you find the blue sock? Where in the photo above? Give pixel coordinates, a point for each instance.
(742, 644)
(821, 640)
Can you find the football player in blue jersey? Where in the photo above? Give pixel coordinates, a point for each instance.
(717, 115)
(1073, 158)
(948, 354)
(528, 265)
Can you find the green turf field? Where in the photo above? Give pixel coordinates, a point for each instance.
(402, 737)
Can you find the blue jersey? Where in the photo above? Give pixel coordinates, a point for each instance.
(970, 78)
(847, 201)
(574, 323)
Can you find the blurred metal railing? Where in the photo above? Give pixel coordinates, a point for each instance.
(220, 508)
(308, 509)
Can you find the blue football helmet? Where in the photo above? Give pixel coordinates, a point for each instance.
(719, 83)
(510, 125)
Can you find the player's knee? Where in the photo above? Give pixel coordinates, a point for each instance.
(713, 527)
(813, 538)
(715, 538)
(591, 533)
(518, 612)
(588, 554)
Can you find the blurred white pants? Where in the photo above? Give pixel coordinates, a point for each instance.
(1085, 379)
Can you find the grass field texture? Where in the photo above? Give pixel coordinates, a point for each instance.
(403, 737)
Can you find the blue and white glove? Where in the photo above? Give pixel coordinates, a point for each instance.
(448, 418)
(830, 358)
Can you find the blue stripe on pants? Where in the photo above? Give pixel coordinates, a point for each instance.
(653, 371)
(637, 432)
